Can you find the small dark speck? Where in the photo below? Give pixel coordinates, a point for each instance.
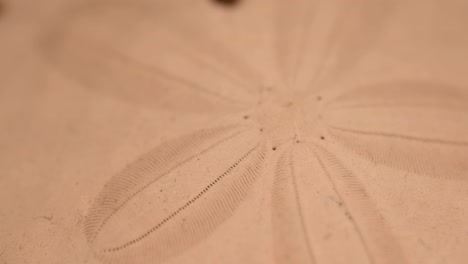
(227, 3)
(48, 218)
(298, 141)
(348, 215)
(319, 98)
(322, 138)
(246, 117)
(274, 148)
(261, 129)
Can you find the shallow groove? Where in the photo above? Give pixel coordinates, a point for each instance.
(165, 75)
(401, 136)
(409, 105)
(202, 60)
(300, 210)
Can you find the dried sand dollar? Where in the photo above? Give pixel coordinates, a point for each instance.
(272, 67)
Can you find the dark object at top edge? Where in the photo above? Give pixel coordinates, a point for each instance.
(227, 3)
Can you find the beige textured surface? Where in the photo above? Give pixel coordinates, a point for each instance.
(265, 132)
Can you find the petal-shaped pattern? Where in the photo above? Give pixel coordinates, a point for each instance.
(323, 39)
(183, 54)
(320, 208)
(413, 126)
(174, 196)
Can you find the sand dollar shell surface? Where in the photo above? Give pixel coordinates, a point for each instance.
(284, 75)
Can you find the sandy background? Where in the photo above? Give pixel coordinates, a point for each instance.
(61, 142)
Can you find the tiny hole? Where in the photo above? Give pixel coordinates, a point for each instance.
(322, 138)
(274, 148)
